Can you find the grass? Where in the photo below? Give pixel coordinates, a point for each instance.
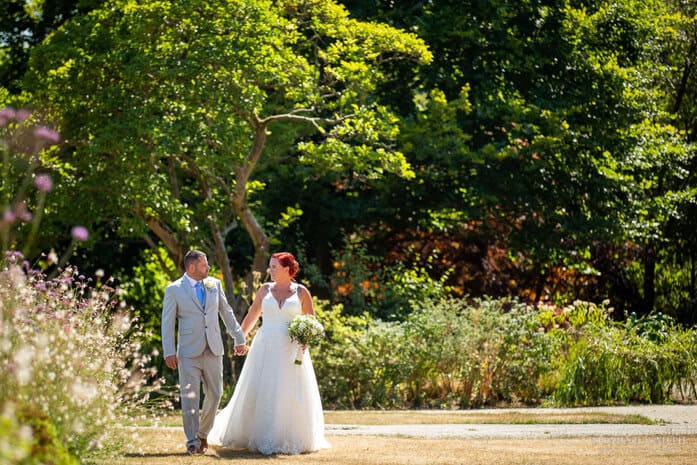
(166, 446)
(410, 417)
(416, 417)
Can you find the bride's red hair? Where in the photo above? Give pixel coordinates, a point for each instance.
(287, 260)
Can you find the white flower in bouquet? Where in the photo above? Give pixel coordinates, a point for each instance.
(306, 331)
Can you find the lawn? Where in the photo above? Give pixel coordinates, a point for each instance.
(470, 417)
(430, 417)
(162, 443)
(166, 447)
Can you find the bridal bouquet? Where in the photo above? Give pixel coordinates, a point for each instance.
(306, 331)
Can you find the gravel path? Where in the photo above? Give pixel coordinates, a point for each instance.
(677, 420)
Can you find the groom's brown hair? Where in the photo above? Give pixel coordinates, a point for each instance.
(192, 256)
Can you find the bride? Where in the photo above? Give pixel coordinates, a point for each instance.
(276, 407)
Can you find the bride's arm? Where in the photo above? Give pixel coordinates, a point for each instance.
(306, 301)
(254, 311)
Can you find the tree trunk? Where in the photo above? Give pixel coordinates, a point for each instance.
(239, 203)
(174, 248)
(649, 260)
(221, 259)
(693, 277)
(540, 284)
(685, 79)
(172, 273)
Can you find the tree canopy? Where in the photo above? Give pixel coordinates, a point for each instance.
(166, 107)
(541, 148)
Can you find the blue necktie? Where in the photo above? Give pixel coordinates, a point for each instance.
(199, 293)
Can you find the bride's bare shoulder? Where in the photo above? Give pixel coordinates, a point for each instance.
(302, 290)
(265, 289)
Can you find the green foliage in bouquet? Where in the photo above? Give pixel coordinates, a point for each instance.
(306, 330)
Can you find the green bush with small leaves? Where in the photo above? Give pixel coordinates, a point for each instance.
(458, 353)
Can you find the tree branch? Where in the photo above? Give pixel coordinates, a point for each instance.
(294, 116)
(168, 239)
(170, 272)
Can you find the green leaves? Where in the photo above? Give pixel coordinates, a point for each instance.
(168, 107)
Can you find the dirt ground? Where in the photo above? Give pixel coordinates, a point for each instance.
(671, 441)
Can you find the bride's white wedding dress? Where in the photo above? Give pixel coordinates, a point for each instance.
(276, 407)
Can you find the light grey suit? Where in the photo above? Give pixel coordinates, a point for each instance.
(199, 349)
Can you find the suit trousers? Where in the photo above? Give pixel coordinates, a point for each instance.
(206, 368)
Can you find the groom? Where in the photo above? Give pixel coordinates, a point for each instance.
(193, 303)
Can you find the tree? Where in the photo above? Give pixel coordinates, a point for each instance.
(560, 94)
(23, 25)
(167, 109)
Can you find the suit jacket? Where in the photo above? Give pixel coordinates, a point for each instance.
(196, 325)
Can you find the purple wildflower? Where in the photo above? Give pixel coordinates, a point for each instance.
(22, 115)
(80, 233)
(46, 134)
(6, 115)
(43, 182)
(14, 255)
(23, 212)
(9, 216)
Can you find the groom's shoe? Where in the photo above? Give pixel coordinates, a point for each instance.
(204, 445)
(192, 450)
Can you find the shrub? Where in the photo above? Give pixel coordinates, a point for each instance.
(636, 361)
(455, 353)
(68, 356)
(363, 284)
(345, 382)
(447, 353)
(467, 354)
(46, 446)
(15, 438)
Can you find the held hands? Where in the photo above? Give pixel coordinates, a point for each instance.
(172, 361)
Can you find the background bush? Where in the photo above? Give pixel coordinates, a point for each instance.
(458, 353)
(646, 360)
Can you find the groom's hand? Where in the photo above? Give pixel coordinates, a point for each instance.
(171, 362)
(240, 349)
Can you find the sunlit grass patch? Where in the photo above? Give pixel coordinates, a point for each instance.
(415, 417)
(171, 418)
(166, 447)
